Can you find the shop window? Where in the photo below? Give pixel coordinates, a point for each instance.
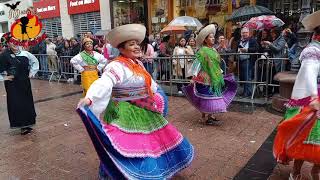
(127, 12)
(86, 22)
(52, 27)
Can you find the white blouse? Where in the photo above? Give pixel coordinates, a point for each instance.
(306, 83)
(78, 62)
(115, 74)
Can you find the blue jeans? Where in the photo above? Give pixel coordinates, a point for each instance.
(246, 74)
(43, 60)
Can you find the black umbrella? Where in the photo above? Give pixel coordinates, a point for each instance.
(246, 12)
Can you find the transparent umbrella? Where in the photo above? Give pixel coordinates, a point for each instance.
(186, 21)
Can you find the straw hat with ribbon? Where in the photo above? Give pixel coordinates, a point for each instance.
(311, 21)
(125, 33)
(210, 29)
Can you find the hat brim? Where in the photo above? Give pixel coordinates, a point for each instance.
(311, 21)
(210, 29)
(125, 33)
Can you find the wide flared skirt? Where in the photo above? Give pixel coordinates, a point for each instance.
(118, 165)
(298, 137)
(207, 103)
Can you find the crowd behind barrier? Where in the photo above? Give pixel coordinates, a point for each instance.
(166, 70)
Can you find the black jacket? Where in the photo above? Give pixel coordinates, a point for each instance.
(75, 50)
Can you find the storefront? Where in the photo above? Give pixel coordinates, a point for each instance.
(128, 12)
(8, 15)
(85, 15)
(160, 13)
(49, 12)
(290, 10)
(207, 11)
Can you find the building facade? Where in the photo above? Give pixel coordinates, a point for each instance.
(9, 15)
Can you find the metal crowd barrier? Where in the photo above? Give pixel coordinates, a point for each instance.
(173, 71)
(48, 66)
(273, 65)
(66, 68)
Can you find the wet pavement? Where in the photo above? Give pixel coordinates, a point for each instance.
(60, 148)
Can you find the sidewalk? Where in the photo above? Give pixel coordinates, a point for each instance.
(61, 149)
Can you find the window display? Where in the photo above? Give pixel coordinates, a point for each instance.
(159, 15)
(126, 12)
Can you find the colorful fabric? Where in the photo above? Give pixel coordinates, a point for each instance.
(163, 103)
(127, 94)
(291, 112)
(90, 60)
(143, 145)
(210, 63)
(137, 69)
(133, 119)
(117, 166)
(155, 103)
(87, 78)
(311, 52)
(298, 137)
(298, 102)
(211, 103)
(314, 136)
(264, 22)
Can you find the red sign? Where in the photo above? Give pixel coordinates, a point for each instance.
(83, 6)
(47, 9)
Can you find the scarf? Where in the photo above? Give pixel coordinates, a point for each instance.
(210, 63)
(137, 69)
(90, 60)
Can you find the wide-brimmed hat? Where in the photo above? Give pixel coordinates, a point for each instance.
(311, 21)
(85, 40)
(125, 33)
(210, 29)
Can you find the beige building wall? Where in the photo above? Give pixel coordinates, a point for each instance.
(66, 21)
(105, 14)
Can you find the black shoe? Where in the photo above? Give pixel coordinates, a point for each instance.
(25, 131)
(213, 122)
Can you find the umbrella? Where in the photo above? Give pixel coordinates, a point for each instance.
(186, 21)
(264, 22)
(173, 30)
(246, 12)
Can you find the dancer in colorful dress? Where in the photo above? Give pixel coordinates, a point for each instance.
(209, 91)
(88, 62)
(132, 139)
(20, 67)
(298, 136)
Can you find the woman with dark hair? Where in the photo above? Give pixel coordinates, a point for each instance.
(192, 43)
(132, 137)
(148, 54)
(210, 92)
(264, 35)
(298, 136)
(181, 63)
(20, 67)
(277, 47)
(164, 64)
